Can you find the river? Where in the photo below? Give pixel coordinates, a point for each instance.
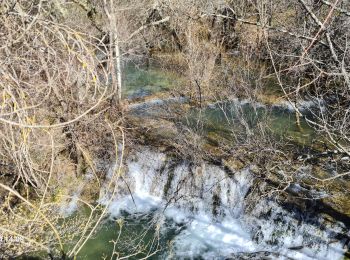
(171, 208)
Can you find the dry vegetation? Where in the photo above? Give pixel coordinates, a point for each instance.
(61, 111)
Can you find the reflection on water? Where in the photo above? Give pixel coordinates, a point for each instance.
(232, 118)
(140, 81)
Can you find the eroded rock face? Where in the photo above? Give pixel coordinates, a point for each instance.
(155, 131)
(234, 164)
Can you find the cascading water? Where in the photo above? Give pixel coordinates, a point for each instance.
(206, 208)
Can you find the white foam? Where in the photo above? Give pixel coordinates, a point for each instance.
(203, 237)
(137, 203)
(70, 205)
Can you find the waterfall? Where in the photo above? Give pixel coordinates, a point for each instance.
(210, 206)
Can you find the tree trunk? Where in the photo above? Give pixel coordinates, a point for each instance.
(114, 52)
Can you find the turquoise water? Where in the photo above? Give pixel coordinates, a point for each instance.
(140, 81)
(135, 237)
(233, 121)
(222, 119)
